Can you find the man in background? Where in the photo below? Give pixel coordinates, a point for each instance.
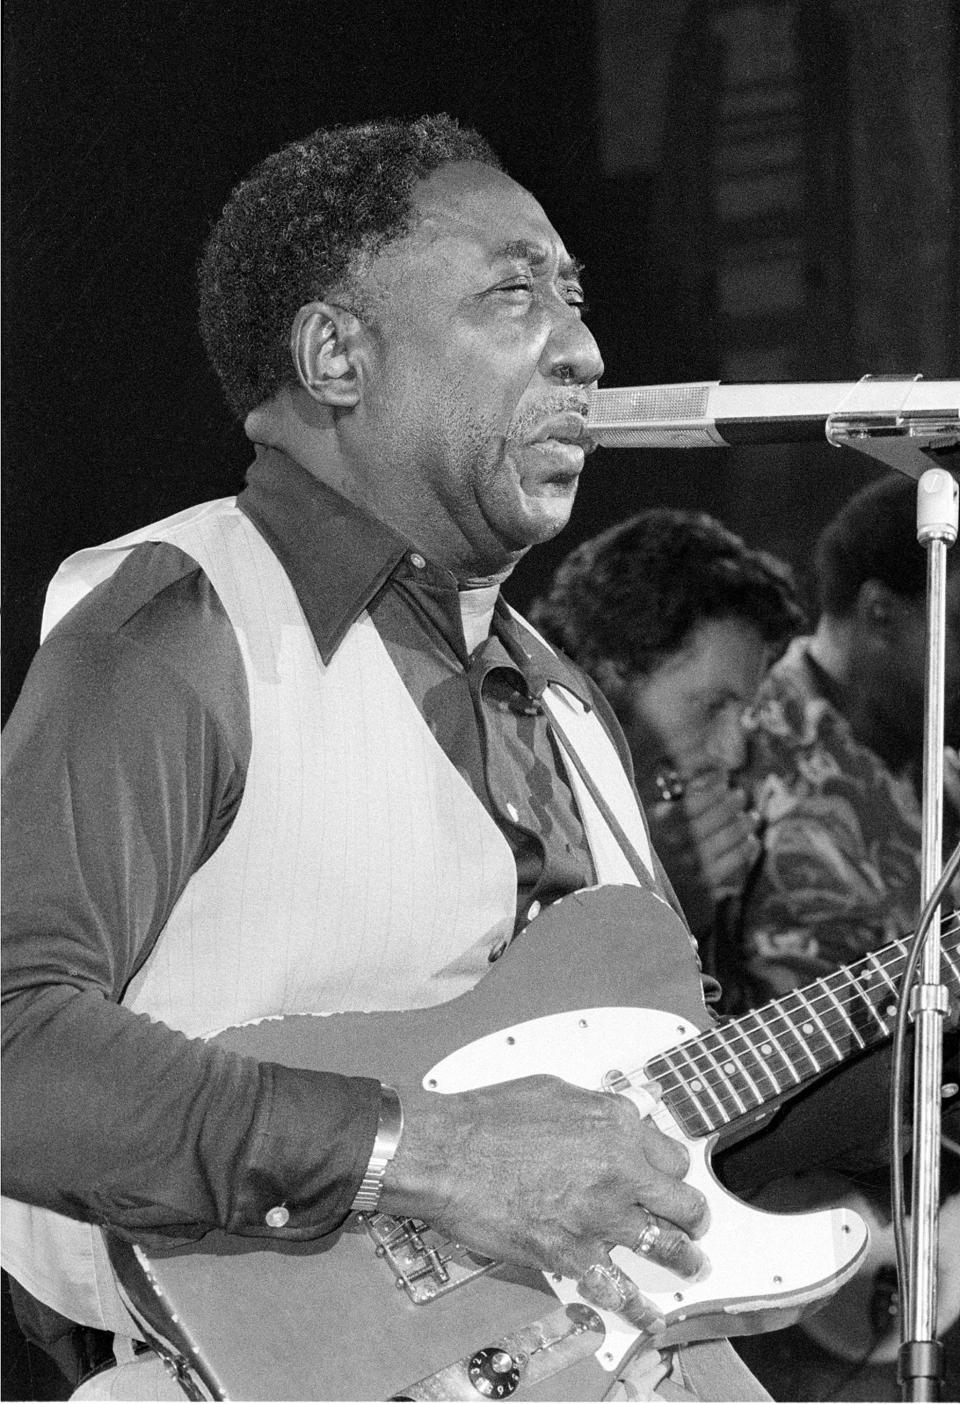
(677, 620)
(836, 753)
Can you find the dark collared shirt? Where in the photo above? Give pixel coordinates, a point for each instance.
(125, 761)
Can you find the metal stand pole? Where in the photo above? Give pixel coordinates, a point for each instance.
(920, 1370)
(911, 444)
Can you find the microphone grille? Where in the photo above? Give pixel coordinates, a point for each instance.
(653, 416)
(649, 402)
(656, 436)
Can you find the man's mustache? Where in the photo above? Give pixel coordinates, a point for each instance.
(526, 427)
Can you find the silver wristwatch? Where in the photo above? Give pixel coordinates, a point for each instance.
(389, 1130)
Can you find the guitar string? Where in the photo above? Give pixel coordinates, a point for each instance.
(708, 1076)
(675, 1082)
(737, 1044)
(847, 975)
(840, 1019)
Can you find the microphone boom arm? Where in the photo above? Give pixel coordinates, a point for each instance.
(902, 420)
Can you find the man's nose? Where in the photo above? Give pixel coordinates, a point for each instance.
(571, 356)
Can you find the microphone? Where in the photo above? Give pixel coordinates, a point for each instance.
(710, 414)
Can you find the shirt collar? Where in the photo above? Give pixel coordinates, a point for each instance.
(337, 557)
(535, 657)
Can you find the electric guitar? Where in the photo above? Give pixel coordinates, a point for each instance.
(387, 1308)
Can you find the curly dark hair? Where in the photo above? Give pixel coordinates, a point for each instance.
(292, 231)
(631, 595)
(872, 537)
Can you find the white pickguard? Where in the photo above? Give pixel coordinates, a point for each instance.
(756, 1259)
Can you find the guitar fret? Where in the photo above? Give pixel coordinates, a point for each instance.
(841, 1011)
(834, 1046)
(700, 1081)
(723, 1076)
(695, 1085)
(720, 1035)
(682, 1100)
(770, 1045)
(814, 1014)
(881, 971)
(868, 1002)
(808, 1029)
(750, 1053)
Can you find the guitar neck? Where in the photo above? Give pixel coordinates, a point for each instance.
(757, 1059)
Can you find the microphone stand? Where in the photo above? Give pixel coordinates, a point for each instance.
(921, 1356)
(920, 1361)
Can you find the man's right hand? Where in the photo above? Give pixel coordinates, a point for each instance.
(543, 1174)
(707, 841)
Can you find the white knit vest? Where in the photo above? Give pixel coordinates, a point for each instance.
(361, 872)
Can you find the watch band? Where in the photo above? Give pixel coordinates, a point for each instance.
(389, 1131)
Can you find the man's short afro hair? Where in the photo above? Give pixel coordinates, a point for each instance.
(292, 230)
(633, 595)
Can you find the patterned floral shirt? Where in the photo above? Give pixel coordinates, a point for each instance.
(840, 874)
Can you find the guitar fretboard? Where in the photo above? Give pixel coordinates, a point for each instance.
(746, 1063)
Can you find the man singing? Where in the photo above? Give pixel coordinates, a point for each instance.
(293, 753)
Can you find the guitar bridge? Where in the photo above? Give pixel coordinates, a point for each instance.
(425, 1264)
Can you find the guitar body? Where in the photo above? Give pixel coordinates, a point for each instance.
(600, 982)
(861, 1323)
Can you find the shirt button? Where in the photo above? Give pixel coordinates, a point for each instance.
(514, 813)
(417, 560)
(277, 1217)
(533, 911)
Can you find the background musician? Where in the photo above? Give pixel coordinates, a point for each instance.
(836, 742)
(677, 620)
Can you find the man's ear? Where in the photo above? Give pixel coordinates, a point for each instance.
(323, 343)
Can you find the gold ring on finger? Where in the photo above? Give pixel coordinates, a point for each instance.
(647, 1238)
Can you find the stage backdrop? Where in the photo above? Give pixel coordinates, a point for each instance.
(760, 190)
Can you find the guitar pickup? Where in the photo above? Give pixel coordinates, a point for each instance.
(425, 1264)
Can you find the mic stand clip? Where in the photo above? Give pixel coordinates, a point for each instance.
(907, 439)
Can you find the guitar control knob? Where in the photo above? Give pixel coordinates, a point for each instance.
(493, 1372)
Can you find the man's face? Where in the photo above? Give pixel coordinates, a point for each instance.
(896, 682)
(687, 714)
(472, 410)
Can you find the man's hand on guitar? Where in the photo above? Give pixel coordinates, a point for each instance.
(543, 1174)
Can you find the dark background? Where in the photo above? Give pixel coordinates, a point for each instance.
(760, 189)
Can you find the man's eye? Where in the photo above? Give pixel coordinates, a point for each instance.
(572, 296)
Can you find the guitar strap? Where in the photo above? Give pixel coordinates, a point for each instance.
(640, 869)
